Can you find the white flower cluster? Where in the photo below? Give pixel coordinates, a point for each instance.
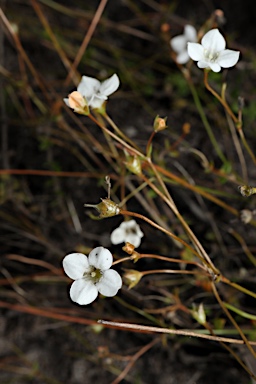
(92, 274)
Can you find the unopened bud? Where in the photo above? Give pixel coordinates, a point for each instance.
(199, 314)
(78, 103)
(186, 128)
(159, 123)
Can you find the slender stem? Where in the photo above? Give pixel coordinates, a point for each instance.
(196, 189)
(139, 216)
(205, 120)
(122, 142)
(155, 271)
(205, 258)
(119, 132)
(149, 142)
(244, 338)
(246, 291)
(145, 328)
(244, 246)
(221, 100)
(237, 121)
(244, 314)
(109, 139)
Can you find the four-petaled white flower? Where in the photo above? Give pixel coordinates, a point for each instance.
(127, 232)
(211, 53)
(179, 43)
(92, 274)
(95, 92)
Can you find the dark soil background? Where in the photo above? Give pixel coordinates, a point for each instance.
(35, 221)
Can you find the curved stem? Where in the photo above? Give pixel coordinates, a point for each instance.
(205, 120)
(221, 100)
(139, 216)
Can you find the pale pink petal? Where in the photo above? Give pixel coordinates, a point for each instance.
(110, 283)
(213, 41)
(117, 236)
(75, 265)
(178, 43)
(195, 51)
(228, 58)
(100, 258)
(110, 85)
(190, 33)
(83, 291)
(88, 86)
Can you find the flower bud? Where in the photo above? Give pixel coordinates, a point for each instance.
(199, 314)
(78, 103)
(159, 123)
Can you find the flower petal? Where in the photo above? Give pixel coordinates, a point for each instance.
(117, 236)
(195, 51)
(66, 101)
(128, 224)
(203, 64)
(190, 33)
(88, 86)
(100, 258)
(178, 43)
(75, 265)
(83, 291)
(182, 57)
(213, 41)
(134, 239)
(110, 85)
(215, 67)
(110, 283)
(228, 58)
(96, 101)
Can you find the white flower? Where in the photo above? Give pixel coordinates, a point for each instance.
(127, 232)
(211, 53)
(91, 275)
(95, 92)
(179, 43)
